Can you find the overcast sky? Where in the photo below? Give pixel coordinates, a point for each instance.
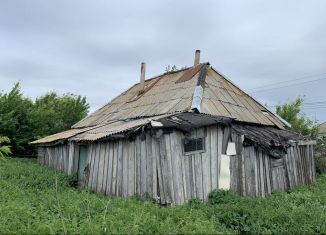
(94, 48)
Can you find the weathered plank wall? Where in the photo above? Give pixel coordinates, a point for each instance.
(189, 176)
(159, 167)
(254, 173)
(156, 166)
(62, 157)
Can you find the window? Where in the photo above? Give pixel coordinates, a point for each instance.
(193, 145)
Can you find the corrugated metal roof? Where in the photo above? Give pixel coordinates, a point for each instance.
(115, 128)
(161, 98)
(172, 92)
(169, 93)
(60, 136)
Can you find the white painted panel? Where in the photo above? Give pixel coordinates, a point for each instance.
(224, 179)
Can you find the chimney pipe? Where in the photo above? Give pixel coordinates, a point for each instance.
(142, 77)
(197, 57)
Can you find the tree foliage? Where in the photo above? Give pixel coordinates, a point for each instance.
(4, 149)
(16, 122)
(24, 120)
(292, 113)
(56, 113)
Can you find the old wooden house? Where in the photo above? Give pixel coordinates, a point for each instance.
(179, 136)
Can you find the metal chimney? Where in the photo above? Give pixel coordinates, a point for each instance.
(142, 77)
(197, 57)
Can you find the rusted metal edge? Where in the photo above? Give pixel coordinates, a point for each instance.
(189, 74)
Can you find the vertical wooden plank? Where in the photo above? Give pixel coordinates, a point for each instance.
(268, 173)
(119, 169)
(312, 167)
(294, 164)
(166, 196)
(187, 173)
(71, 157)
(125, 167)
(131, 168)
(143, 170)
(261, 173)
(176, 155)
(96, 166)
(62, 152)
(183, 167)
(67, 158)
(177, 158)
(212, 147)
(248, 173)
(114, 168)
(157, 145)
(170, 173)
(192, 177)
(149, 165)
(91, 165)
(110, 147)
(138, 165)
(220, 149)
(288, 170)
(154, 166)
(105, 167)
(206, 166)
(62, 168)
(100, 168)
(75, 162)
(255, 167)
(199, 178)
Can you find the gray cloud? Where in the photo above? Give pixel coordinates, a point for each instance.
(94, 48)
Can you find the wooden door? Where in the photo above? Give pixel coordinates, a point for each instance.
(82, 163)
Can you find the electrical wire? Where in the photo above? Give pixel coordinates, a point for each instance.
(276, 83)
(294, 84)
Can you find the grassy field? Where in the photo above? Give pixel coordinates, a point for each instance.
(36, 199)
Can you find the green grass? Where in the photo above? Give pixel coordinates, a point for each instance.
(35, 199)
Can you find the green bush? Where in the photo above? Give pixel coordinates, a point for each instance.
(320, 163)
(35, 199)
(24, 120)
(221, 196)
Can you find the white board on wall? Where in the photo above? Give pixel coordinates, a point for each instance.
(224, 179)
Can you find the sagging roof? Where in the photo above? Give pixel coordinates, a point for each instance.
(167, 94)
(267, 135)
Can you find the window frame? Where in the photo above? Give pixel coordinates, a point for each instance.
(195, 151)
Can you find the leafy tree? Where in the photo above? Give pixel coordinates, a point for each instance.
(16, 118)
(291, 112)
(55, 113)
(4, 149)
(23, 120)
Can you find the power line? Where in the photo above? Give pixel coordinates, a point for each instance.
(312, 108)
(294, 84)
(307, 104)
(296, 79)
(315, 102)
